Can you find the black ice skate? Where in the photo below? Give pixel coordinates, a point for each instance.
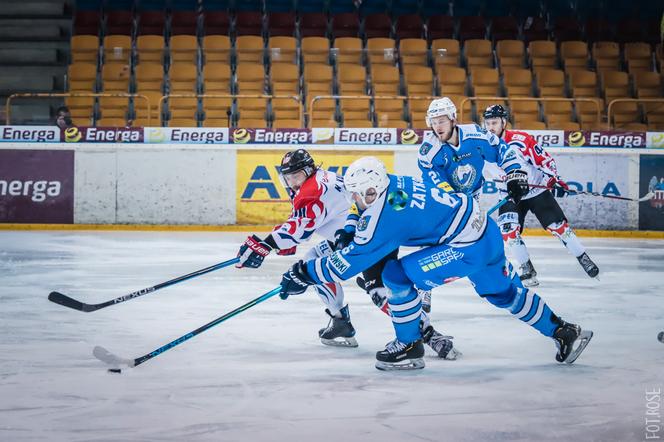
(567, 336)
(441, 344)
(588, 265)
(339, 331)
(529, 275)
(400, 356)
(426, 299)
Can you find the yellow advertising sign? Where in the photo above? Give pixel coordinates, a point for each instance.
(261, 199)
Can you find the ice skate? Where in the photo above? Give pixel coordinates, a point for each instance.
(441, 344)
(588, 265)
(339, 331)
(426, 299)
(529, 275)
(571, 341)
(400, 356)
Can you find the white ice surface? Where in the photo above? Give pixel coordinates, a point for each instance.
(264, 376)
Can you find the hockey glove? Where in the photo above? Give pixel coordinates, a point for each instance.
(517, 185)
(296, 280)
(557, 186)
(342, 238)
(287, 252)
(252, 252)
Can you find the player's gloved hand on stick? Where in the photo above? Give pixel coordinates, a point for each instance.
(296, 280)
(517, 185)
(558, 186)
(252, 252)
(342, 238)
(287, 252)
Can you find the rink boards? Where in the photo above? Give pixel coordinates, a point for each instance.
(210, 185)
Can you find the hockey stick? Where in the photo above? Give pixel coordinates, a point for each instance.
(647, 197)
(109, 358)
(62, 299)
(498, 205)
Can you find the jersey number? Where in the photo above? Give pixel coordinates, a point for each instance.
(444, 198)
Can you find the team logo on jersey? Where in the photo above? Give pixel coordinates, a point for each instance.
(339, 263)
(425, 148)
(464, 176)
(363, 223)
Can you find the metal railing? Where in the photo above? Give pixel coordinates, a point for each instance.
(610, 107)
(66, 95)
(231, 97)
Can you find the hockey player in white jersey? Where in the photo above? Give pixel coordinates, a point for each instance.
(542, 171)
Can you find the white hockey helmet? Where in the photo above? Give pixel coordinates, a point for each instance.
(364, 174)
(441, 106)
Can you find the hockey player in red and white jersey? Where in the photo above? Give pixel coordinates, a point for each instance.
(321, 205)
(542, 171)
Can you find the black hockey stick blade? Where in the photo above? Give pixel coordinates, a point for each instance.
(64, 300)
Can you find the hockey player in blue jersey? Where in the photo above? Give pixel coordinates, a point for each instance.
(453, 156)
(458, 241)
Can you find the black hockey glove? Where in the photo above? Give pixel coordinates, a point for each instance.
(342, 238)
(253, 252)
(517, 185)
(296, 280)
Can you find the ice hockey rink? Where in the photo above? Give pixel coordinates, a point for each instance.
(264, 376)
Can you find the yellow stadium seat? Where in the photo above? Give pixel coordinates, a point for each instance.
(250, 78)
(478, 53)
(355, 108)
(149, 76)
(563, 125)
(117, 49)
(510, 53)
(113, 107)
(357, 123)
(385, 81)
(413, 51)
(322, 109)
(111, 122)
(182, 122)
(315, 50)
(282, 49)
(583, 83)
(252, 108)
(182, 78)
(638, 57)
(249, 49)
(542, 54)
(286, 123)
(615, 84)
(524, 110)
(184, 49)
(84, 48)
(285, 108)
(530, 125)
(150, 48)
(182, 107)
(215, 122)
(550, 82)
(647, 84)
(217, 109)
(251, 123)
(445, 52)
(484, 81)
(558, 110)
(285, 79)
(452, 80)
(419, 80)
(317, 79)
(381, 51)
(352, 79)
(624, 112)
(115, 77)
(518, 82)
(347, 50)
(388, 111)
(217, 78)
(82, 77)
(606, 55)
(574, 55)
(216, 48)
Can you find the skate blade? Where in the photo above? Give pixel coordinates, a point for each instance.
(411, 364)
(342, 342)
(583, 340)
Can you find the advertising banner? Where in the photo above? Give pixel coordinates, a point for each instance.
(261, 198)
(344, 135)
(651, 183)
(548, 138)
(103, 135)
(655, 140)
(278, 136)
(584, 138)
(37, 186)
(186, 135)
(30, 134)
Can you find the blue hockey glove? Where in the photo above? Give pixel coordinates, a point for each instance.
(517, 185)
(296, 280)
(342, 238)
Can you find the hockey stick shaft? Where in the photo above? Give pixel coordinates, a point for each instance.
(498, 205)
(64, 300)
(109, 358)
(581, 192)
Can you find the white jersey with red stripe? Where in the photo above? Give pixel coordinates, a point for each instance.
(320, 206)
(540, 166)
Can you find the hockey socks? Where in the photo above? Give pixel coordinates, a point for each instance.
(531, 309)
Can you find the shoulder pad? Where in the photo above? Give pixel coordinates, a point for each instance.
(428, 149)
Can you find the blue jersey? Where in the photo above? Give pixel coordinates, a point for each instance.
(409, 213)
(460, 168)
